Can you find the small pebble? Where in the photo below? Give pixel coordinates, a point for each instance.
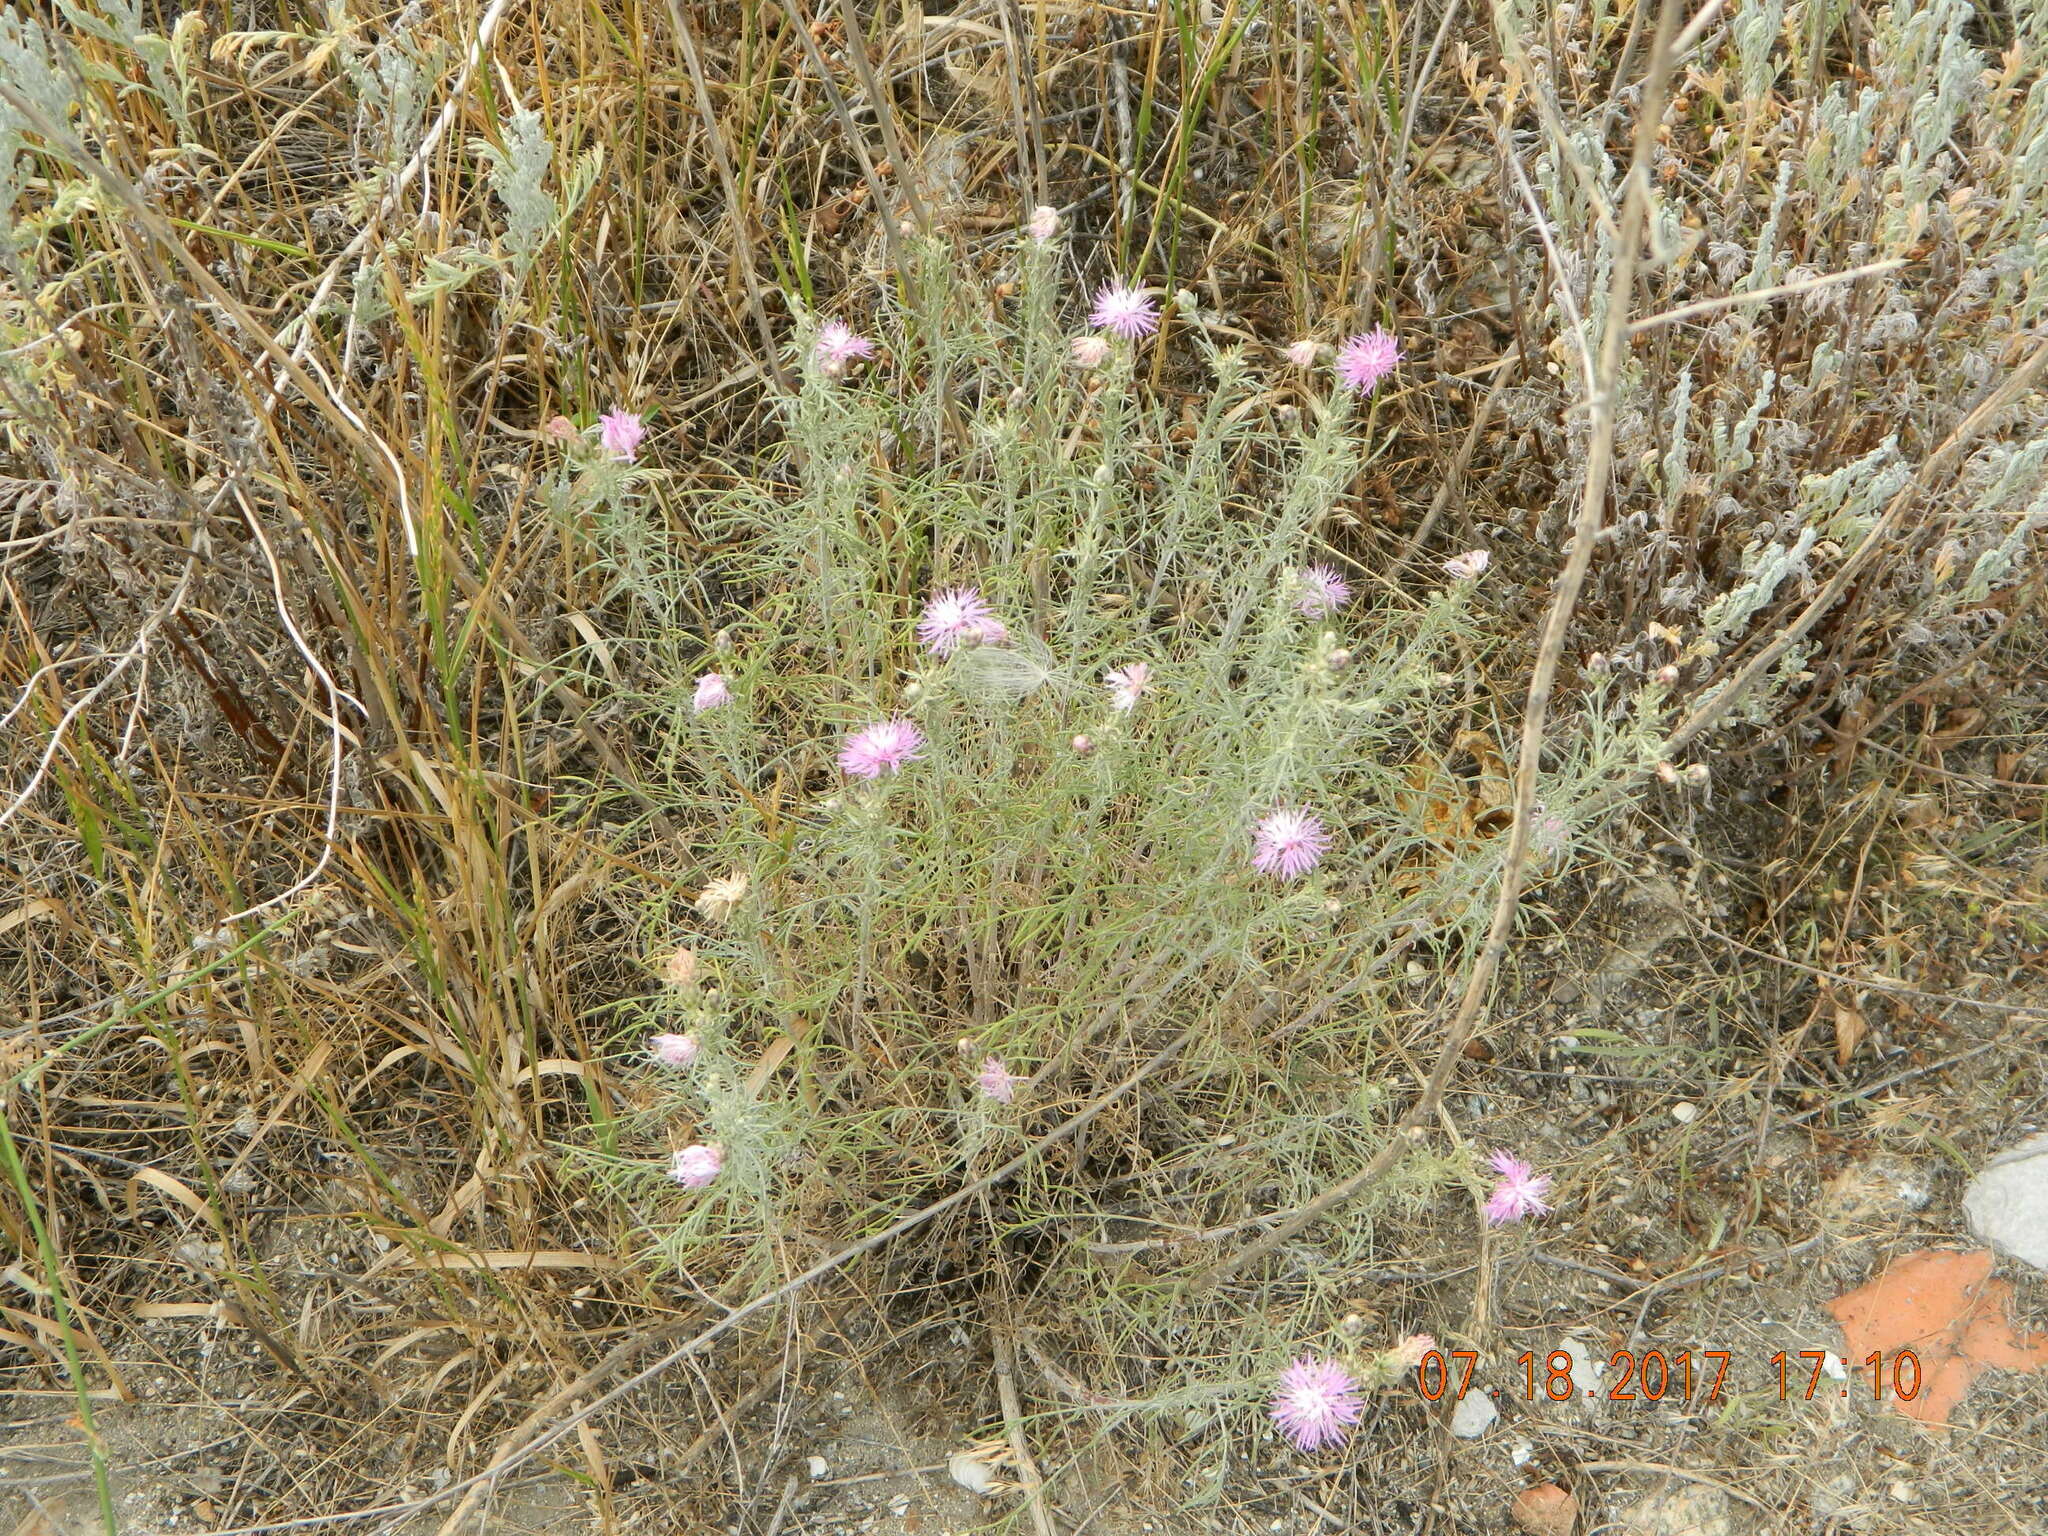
(1685, 1112)
(1473, 1416)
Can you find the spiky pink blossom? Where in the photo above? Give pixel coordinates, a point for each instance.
(619, 433)
(711, 692)
(673, 1050)
(1519, 1193)
(1288, 843)
(1469, 566)
(560, 428)
(959, 617)
(997, 1080)
(1317, 1404)
(1126, 683)
(1321, 591)
(1124, 310)
(883, 747)
(1366, 359)
(837, 346)
(694, 1167)
(1087, 351)
(1043, 224)
(1303, 353)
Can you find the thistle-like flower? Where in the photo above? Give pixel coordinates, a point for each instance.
(837, 346)
(1320, 591)
(711, 692)
(673, 1050)
(560, 428)
(619, 433)
(1288, 843)
(1303, 353)
(694, 1167)
(997, 1080)
(959, 617)
(1366, 359)
(1124, 311)
(1519, 1193)
(1469, 566)
(1126, 683)
(1317, 1404)
(1043, 224)
(722, 897)
(883, 747)
(1087, 351)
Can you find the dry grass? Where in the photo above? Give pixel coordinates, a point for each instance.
(307, 978)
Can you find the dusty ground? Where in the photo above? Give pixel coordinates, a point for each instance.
(1690, 1218)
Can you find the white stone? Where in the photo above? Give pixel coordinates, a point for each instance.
(1473, 1416)
(1685, 1112)
(2007, 1203)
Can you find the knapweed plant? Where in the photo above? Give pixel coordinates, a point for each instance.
(1036, 716)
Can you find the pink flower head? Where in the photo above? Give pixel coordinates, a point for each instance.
(1303, 353)
(959, 617)
(560, 428)
(1043, 224)
(694, 1167)
(711, 692)
(1317, 1403)
(619, 433)
(837, 346)
(1519, 1193)
(1364, 360)
(997, 1080)
(1322, 591)
(1126, 683)
(1124, 311)
(1468, 566)
(883, 747)
(1087, 351)
(1288, 843)
(673, 1050)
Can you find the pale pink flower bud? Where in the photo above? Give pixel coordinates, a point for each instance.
(1087, 351)
(1303, 353)
(1043, 224)
(695, 1167)
(1469, 566)
(673, 1050)
(711, 692)
(680, 969)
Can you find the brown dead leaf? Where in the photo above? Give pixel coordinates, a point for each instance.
(1850, 1028)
